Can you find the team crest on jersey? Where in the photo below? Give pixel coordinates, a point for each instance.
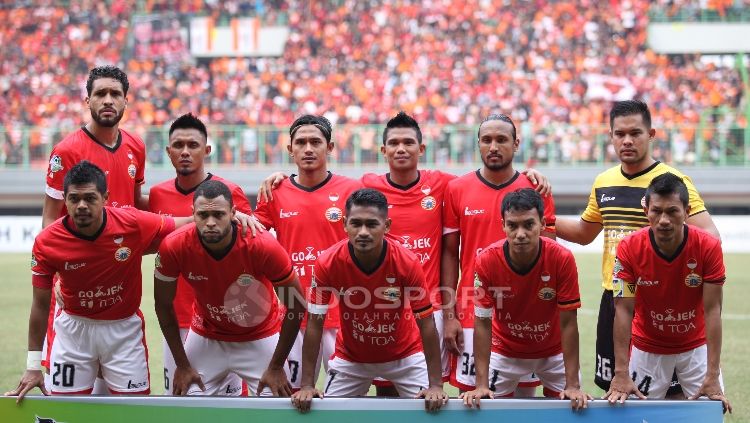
(131, 170)
(334, 214)
(245, 279)
(546, 293)
(33, 261)
(122, 254)
(392, 294)
(428, 203)
(390, 278)
(55, 164)
(693, 280)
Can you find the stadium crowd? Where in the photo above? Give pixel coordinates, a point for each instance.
(545, 63)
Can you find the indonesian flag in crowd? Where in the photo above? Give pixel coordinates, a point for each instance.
(609, 88)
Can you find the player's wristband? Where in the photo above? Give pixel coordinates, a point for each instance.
(34, 360)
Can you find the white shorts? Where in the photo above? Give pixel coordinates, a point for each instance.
(327, 348)
(462, 371)
(652, 373)
(506, 373)
(408, 375)
(215, 360)
(82, 345)
(233, 383)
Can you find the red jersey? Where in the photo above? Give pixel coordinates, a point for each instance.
(123, 164)
(100, 275)
(527, 305)
(307, 221)
(472, 206)
(375, 325)
(668, 291)
(416, 212)
(169, 199)
(234, 296)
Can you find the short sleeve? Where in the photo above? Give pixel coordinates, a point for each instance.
(592, 213)
(240, 200)
(713, 262)
(59, 164)
(263, 212)
(276, 264)
(416, 282)
(484, 301)
(694, 198)
(140, 173)
(549, 213)
(568, 292)
(450, 212)
(154, 227)
(42, 271)
(166, 263)
(623, 282)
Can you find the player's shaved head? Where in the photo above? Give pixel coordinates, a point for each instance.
(108, 71)
(84, 173)
(213, 189)
(323, 124)
(402, 120)
(522, 200)
(368, 197)
(665, 185)
(189, 121)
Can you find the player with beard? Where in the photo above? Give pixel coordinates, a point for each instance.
(236, 281)
(471, 222)
(187, 150)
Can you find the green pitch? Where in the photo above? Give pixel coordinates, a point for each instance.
(16, 297)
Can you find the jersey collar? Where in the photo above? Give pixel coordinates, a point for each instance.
(506, 253)
(191, 190)
(381, 259)
(493, 186)
(641, 173)
(403, 187)
(677, 251)
(66, 223)
(311, 189)
(96, 140)
(221, 254)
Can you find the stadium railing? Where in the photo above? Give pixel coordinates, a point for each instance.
(700, 15)
(446, 145)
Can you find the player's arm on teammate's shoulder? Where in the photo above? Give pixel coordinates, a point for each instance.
(540, 182)
(712, 300)
(577, 230)
(265, 190)
(452, 331)
(51, 210)
(704, 221)
(482, 345)
(570, 346)
(291, 296)
(302, 399)
(33, 376)
(434, 396)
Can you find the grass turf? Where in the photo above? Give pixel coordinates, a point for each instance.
(16, 299)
